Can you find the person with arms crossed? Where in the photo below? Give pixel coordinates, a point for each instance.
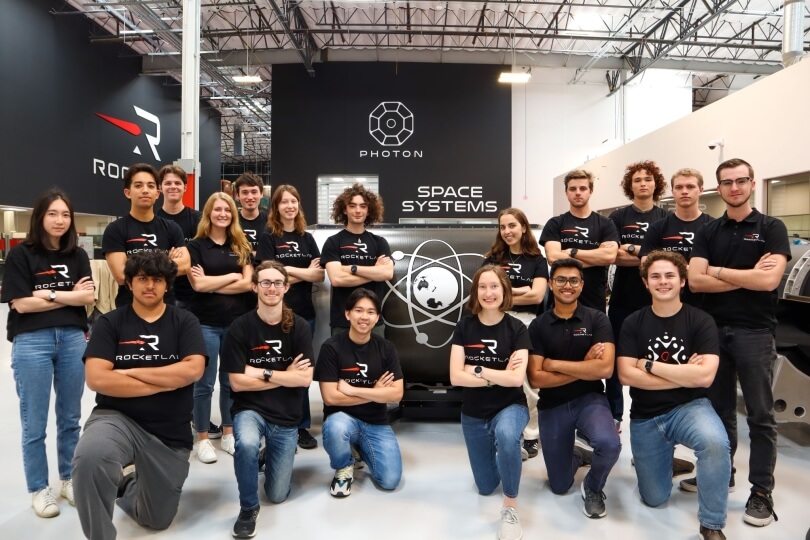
(141, 361)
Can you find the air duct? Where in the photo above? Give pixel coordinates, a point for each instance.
(792, 32)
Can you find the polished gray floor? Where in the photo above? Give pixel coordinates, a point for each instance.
(436, 499)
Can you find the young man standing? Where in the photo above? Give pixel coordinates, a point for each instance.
(738, 260)
(267, 354)
(572, 351)
(583, 235)
(644, 185)
(249, 190)
(359, 374)
(141, 361)
(142, 231)
(355, 257)
(668, 356)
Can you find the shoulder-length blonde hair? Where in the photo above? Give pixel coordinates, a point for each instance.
(274, 218)
(236, 236)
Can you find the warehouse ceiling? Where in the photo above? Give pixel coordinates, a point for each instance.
(611, 42)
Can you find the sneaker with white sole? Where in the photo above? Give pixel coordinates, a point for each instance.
(67, 492)
(690, 485)
(228, 443)
(205, 451)
(358, 461)
(510, 524)
(342, 482)
(245, 526)
(44, 503)
(759, 510)
(594, 502)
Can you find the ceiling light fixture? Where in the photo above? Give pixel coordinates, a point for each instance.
(516, 75)
(247, 79)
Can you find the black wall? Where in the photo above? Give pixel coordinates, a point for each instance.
(54, 81)
(461, 128)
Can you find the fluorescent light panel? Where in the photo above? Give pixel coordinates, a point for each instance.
(518, 77)
(247, 79)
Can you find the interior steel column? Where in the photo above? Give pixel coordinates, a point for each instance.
(190, 116)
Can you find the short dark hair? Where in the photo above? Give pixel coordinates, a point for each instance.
(650, 167)
(565, 263)
(474, 305)
(579, 174)
(374, 201)
(36, 231)
(731, 164)
(660, 255)
(172, 169)
(150, 264)
(359, 294)
(249, 179)
(135, 169)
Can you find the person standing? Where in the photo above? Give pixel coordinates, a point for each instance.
(488, 360)
(47, 284)
(249, 189)
(738, 260)
(516, 251)
(221, 274)
(356, 257)
(287, 241)
(267, 355)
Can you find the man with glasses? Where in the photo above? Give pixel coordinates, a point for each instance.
(267, 354)
(738, 260)
(572, 351)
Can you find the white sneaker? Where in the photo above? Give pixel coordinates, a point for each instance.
(44, 503)
(67, 492)
(205, 451)
(510, 524)
(228, 443)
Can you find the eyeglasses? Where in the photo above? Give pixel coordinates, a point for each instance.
(560, 281)
(741, 182)
(266, 284)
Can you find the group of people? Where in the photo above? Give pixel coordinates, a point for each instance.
(227, 294)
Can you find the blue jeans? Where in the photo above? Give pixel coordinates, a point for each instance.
(493, 447)
(41, 358)
(249, 428)
(591, 415)
(204, 388)
(306, 418)
(376, 443)
(750, 356)
(696, 426)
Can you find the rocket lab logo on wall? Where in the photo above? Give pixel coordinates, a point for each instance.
(135, 130)
(391, 123)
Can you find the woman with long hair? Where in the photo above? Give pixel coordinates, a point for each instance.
(222, 269)
(515, 250)
(47, 284)
(488, 359)
(287, 241)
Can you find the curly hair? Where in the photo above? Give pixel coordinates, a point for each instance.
(239, 242)
(274, 217)
(474, 305)
(528, 244)
(151, 264)
(660, 255)
(287, 318)
(341, 204)
(650, 167)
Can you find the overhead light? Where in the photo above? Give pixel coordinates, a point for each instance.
(247, 79)
(519, 77)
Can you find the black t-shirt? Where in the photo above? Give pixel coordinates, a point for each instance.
(128, 341)
(632, 224)
(739, 245)
(251, 341)
(584, 234)
(128, 235)
(358, 365)
(353, 249)
(187, 219)
(521, 271)
(253, 228)
(674, 234)
(490, 347)
(292, 249)
(217, 309)
(29, 269)
(670, 340)
(569, 339)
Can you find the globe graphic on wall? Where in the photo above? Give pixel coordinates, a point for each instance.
(435, 288)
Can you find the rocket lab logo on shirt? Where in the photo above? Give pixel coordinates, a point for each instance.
(639, 225)
(152, 341)
(141, 343)
(251, 233)
(515, 267)
(358, 246)
(490, 344)
(135, 129)
(360, 368)
(753, 237)
(61, 269)
(667, 349)
(681, 236)
(288, 245)
(581, 332)
(578, 231)
(145, 239)
(272, 345)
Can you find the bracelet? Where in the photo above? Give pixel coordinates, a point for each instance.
(489, 384)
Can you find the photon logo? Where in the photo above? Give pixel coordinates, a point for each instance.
(391, 123)
(114, 170)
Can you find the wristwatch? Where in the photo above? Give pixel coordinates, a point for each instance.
(631, 249)
(479, 371)
(52, 296)
(354, 269)
(648, 366)
(268, 374)
(574, 252)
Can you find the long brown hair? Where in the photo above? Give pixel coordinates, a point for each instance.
(36, 238)
(528, 244)
(274, 218)
(287, 318)
(236, 236)
(474, 305)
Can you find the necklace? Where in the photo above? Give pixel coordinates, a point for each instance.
(514, 259)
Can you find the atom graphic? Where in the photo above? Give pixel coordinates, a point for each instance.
(433, 291)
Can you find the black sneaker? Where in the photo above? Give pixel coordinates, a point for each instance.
(128, 476)
(594, 506)
(532, 447)
(759, 510)
(584, 456)
(711, 534)
(214, 431)
(690, 485)
(245, 526)
(305, 440)
(681, 466)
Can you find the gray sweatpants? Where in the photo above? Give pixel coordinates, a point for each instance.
(111, 441)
